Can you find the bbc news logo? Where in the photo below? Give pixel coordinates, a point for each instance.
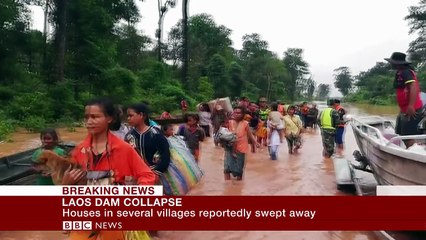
(77, 225)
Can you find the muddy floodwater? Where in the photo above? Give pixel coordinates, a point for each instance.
(305, 173)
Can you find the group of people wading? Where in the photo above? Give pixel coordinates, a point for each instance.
(138, 152)
(264, 124)
(273, 122)
(250, 125)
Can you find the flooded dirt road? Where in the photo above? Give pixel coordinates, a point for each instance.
(305, 173)
(22, 140)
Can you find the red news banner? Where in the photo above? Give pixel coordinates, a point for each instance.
(137, 208)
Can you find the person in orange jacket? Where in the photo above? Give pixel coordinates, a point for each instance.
(102, 151)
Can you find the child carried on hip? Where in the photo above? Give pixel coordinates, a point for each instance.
(275, 121)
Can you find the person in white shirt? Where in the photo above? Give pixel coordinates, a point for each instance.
(205, 118)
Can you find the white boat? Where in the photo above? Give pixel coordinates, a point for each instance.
(386, 153)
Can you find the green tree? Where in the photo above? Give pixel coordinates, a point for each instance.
(96, 50)
(155, 76)
(311, 85)
(421, 76)
(263, 72)
(91, 41)
(417, 21)
(343, 80)
(131, 47)
(121, 84)
(33, 51)
(364, 77)
(374, 86)
(277, 76)
(17, 55)
(60, 15)
(14, 21)
(237, 82)
(157, 86)
(298, 70)
(219, 77)
(253, 46)
(206, 39)
(323, 91)
(254, 57)
(205, 89)
(174, 51)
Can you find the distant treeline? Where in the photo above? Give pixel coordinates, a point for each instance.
(95, 50)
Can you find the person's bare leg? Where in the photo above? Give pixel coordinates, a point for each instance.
(269, 135)
(259, 140)
(227, 176)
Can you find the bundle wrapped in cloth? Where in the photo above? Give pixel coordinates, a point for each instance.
(183, 172)
(225, 103)
(225, 137)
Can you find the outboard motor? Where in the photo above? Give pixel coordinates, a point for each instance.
(363, 162)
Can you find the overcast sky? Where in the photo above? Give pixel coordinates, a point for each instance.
(333, 33)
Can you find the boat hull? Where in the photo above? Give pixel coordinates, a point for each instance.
(17, 169)
(391, 164)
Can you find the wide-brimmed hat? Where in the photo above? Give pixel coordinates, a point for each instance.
(397, 58)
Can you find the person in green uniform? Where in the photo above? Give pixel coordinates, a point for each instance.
(49, 141)
(328, 121)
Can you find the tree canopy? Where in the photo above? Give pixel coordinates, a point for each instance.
(323, 91)
(343, 80)
(95, 49)
(417, 21)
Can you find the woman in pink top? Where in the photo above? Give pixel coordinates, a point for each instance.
(234, 161)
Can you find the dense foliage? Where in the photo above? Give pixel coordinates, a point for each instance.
(94, 49)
